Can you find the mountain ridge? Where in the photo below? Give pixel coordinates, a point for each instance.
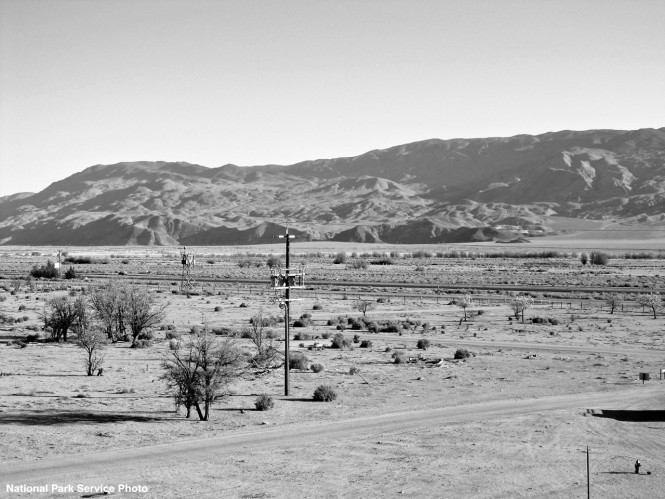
(427, 191)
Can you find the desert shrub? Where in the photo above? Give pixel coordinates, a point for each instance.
(356, 338)
(423, 343)
(274, 261)
(382, 261)
(354, 370)
(170, 335)
(391, 327)
(463, 353)
(302, 337)
(218, 308)
(480, 312)
(340, 327)
(317, 368)
(264, 402)
(326, 335)
(79, 260)
(366, 344)
(174, 344)
(325, 393)
(422, 254)
(398, 358)
(298, 360)
(146, 335)
(47, 271)
(317, 306)
(340, 257)
(223, 331)
(584, 258)
(71, 273)
(359, 264)
(340, 342)
(298, 323)
(394, 254)
(21, 308)
(244, 263)
(599, 258)
(142, 344)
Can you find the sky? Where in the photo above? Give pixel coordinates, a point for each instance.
(85, 82)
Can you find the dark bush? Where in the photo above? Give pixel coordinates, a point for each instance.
(356, 338)
(298, 360)
(317, 368)
(218, 308)
(146, 335)
(302, 336)
(71, 273)
(382, 261)
(274, 261)
(359, 264)
(264, 403)
(366, 344)
(340, 257)
(325, 393)
(391, 327)
(326, 335)
(599, 258)
(423, 343)
(47, 271)
(340, 342)
(142, 344)
(317, 306)
(172, 335)
(463, 353)
(399, 357)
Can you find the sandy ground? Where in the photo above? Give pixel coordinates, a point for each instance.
(513, 421)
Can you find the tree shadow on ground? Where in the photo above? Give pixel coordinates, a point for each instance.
(632, 416)
(69, 417)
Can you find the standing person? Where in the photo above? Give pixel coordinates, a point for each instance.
(637, 467)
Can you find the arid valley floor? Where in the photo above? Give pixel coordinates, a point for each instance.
(514, 420)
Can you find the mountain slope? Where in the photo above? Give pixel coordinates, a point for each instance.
(420, 192)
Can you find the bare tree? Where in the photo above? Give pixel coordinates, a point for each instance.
(61, 314)
(652, 301)
(141, 310)
(520, 304)
(92, 341)
(613, 301)
(363, 306)
(108, 308)
(199, 373)
(465, 302)
(261, 335)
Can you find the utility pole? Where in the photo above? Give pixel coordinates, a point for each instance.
(286, 279)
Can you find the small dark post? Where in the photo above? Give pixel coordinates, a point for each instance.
(588, 481)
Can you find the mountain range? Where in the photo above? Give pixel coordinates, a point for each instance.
(430, 191)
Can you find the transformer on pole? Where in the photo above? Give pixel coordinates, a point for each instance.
(286, 279)
(187, 282)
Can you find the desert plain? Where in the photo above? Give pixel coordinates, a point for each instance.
(514, 419)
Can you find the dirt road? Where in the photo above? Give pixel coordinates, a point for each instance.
(119, 465)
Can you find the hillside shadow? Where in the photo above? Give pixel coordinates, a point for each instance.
(636, 416)
(66, 417)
